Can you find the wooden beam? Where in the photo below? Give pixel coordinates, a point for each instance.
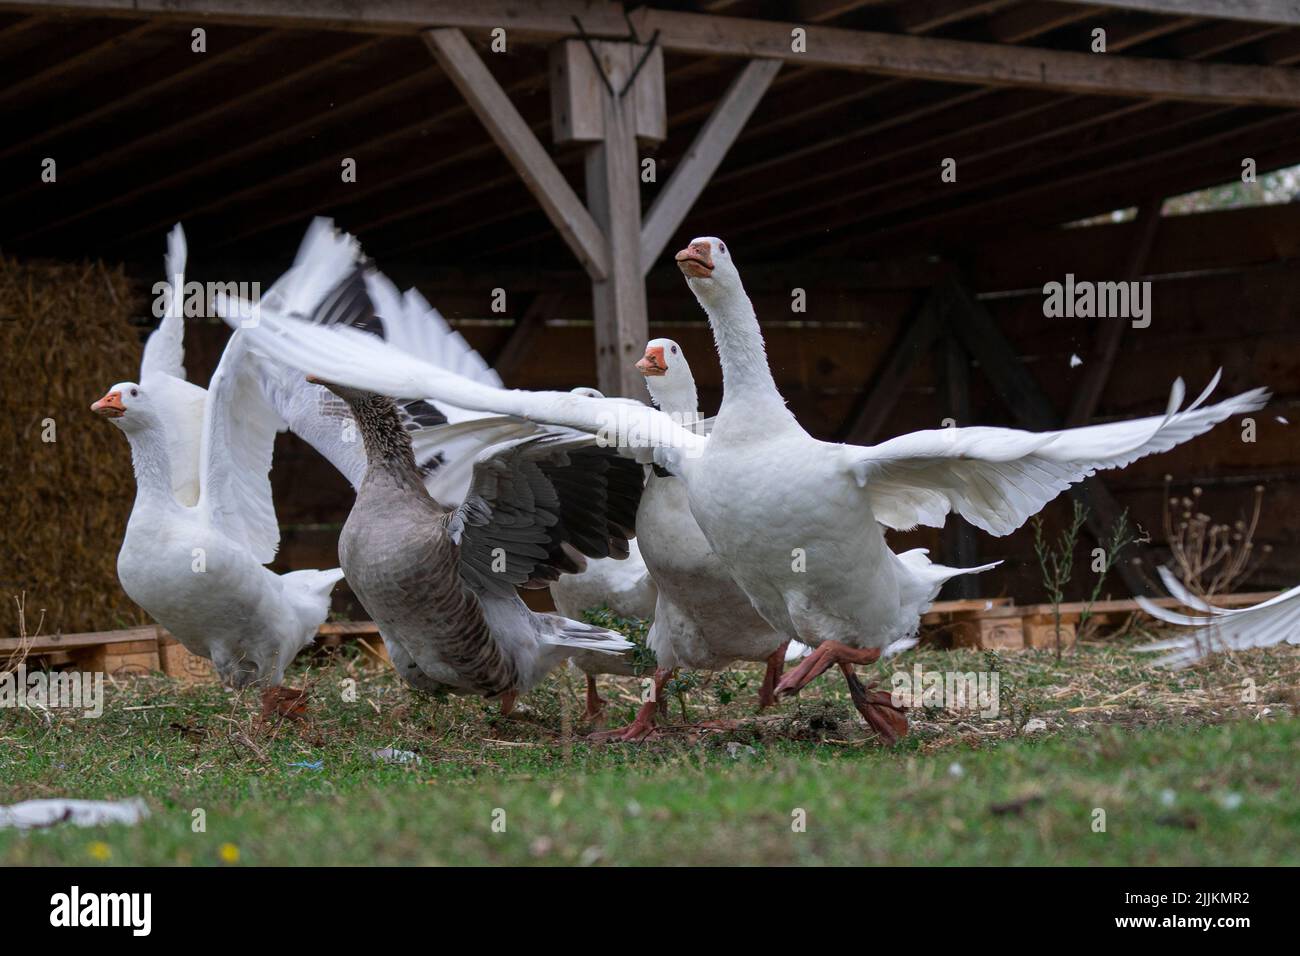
(1096, 371)
(702, 158)
(613, 177)
(913, 57)
(522, 149)
(1282, 12)
(522, 19)
(960, 61)
(887, 383)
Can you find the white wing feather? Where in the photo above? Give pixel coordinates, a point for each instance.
(164, 351)
(996, 478)
(1268, 623)
(350, 357)
(235, 460)
(162, 372)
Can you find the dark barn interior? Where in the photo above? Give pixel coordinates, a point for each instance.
(924, 297)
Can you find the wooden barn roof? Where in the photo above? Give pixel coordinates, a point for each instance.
(840, 159)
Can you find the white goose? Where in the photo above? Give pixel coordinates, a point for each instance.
(702, 620)
(1222, 629)
(203, 525)
(194, 558)
(797, 521)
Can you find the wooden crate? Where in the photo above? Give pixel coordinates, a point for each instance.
(999, 631)
(1040, 631)
(184, 665)
(121, 659)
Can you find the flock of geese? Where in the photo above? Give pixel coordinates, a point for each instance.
(742, 537)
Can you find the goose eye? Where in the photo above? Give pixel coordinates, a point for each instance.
(722, 247)
(135, 392)
(674, 350)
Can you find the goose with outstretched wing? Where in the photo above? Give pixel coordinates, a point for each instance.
(799, 523)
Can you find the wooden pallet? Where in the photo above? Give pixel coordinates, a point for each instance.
(139, 651)
(1006, 626)
(992, 623)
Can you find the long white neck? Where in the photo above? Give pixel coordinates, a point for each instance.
(746, 378)
(153, 470)
(675, 393)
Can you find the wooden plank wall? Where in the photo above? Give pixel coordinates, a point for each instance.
(1225, 294)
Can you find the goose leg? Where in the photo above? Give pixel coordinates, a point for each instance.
(877, 707)
(644, 724)
(820, 660)
(284, 702)
(508, 702)
(595, 704)
(775, 665)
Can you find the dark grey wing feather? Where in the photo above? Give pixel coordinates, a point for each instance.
(538, 505)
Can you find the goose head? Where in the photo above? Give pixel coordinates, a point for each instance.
(668, 377)
(128, 406)
(586, 392)
(708, 268)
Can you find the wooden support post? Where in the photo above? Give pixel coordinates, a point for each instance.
(960, 548)
(516, 140)
(613, 177)
(1020, 393)
(609, 94)
(703, 157)
(1106, 346)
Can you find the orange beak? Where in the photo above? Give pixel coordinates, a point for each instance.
(653, 363)
(110, 406)
(696, 260)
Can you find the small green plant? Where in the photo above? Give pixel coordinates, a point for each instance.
(728, 686)
(1121, 536)
(1056, 561)
(679, 686)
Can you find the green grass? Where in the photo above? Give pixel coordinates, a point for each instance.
(1186, 772)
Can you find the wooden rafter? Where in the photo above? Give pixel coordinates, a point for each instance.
(701, 160)
(529, 158)
(1281, 12)
(1028, 20)
(914, 57)
(169, 131)
(68, 64)
(922, 16)
(153, 86)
